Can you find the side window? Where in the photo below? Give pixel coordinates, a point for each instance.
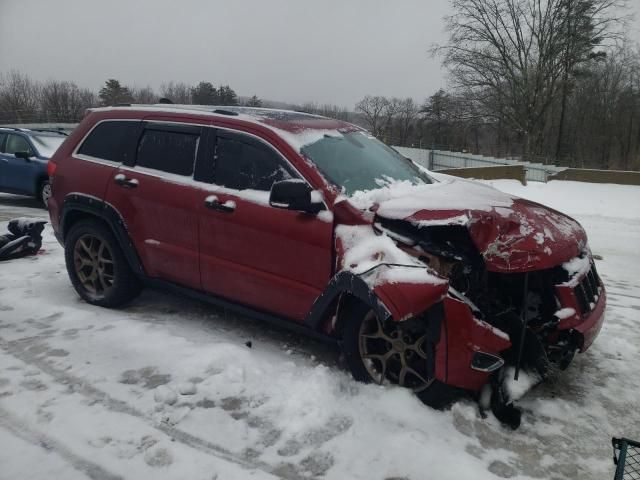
(17, 143)
(246, 165)
(109, 141)
(168, 151)
(3, 137)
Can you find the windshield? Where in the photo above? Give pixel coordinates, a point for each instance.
(47, 144)
(357, 161)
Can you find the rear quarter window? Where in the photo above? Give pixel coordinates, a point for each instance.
(110, 141)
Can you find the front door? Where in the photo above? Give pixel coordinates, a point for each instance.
(268, 258)
(158, 202)
(18, 175)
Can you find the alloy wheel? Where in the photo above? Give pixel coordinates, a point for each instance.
(94, 266)
(45, 194)
(391, 354)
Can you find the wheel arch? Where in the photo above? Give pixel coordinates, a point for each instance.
(77, 207)
(344, 288)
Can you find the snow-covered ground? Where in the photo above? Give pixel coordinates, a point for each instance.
(167, 388)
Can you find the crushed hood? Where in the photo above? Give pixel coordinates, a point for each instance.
(511, 234)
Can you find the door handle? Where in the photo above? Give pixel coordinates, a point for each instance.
(4, 160)
(213, 203)
(125, 182)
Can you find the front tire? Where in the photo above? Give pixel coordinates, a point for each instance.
(378, 351)
(97, 267)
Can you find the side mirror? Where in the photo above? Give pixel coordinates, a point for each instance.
(294, 195)
(23, 154)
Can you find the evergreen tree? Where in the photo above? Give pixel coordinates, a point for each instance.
(113, 93)
(226, 96)
(205, 94)
(254, 102)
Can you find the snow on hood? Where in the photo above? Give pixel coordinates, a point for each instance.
(399, 199)
(512, 234)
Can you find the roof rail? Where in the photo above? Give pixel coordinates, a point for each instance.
(17, 129)
(221, 111)
(50, 130)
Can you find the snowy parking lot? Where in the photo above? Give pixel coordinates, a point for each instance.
(169, 388)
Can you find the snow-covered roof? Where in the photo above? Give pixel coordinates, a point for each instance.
(297, 128)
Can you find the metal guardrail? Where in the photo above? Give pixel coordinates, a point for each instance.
(438, 160)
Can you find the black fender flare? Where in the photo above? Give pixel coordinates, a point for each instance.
(343, 282)
(78, 202)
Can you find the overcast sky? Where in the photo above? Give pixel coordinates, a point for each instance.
(332, 51)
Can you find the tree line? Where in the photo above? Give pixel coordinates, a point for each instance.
(553, 81)
(549, 80)
(541, 80)
(24, 100)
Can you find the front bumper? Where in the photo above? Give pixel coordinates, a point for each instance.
(464, 337)
(586, 296)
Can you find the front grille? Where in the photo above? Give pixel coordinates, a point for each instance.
(587, 291)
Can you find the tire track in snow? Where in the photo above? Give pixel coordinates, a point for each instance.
(21, 430)
(19, 350)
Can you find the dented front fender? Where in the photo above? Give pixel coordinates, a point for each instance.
(405, 300)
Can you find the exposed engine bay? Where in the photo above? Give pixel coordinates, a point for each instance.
(524, 305)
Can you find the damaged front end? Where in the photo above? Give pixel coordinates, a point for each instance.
(524, 296)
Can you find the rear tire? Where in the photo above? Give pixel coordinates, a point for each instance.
(97, 266)
(44, 193)
(366, 341)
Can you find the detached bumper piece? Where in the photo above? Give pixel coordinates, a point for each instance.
(24, 238)
(626, 455)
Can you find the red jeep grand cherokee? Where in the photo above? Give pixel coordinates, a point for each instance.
(424, 280)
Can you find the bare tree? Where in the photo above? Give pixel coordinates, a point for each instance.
(326, 110)
(388, 119)
(407, 114)
(144, 95)
(18, 98)
(375, 112)
(177, 92)
(604, 125)
(587, 25)
(64, 101)
(510, 54)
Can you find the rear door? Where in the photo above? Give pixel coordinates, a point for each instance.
(268, 258)
(157, 199)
